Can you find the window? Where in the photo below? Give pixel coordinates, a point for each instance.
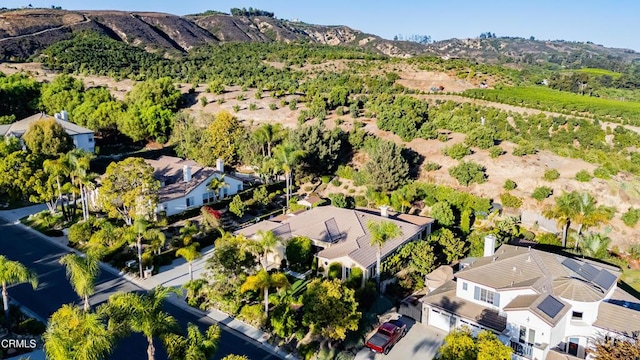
(487, 296)
(532, 336)
(576, 315)
(523, 334)
(190, 202)
(208, 197)
(464, 286)
(239, 187)
(526, 336)
(90, 139)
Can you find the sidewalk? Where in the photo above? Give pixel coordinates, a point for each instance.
(174, 275)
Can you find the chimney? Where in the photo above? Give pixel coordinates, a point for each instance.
(489, 244)
(186, 172)
(220, 165)
(384, 211)
(64, 115)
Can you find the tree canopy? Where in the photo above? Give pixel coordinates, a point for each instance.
(330, 309)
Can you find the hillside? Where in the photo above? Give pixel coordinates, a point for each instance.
(26, 32)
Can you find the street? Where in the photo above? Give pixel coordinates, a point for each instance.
(54, 290)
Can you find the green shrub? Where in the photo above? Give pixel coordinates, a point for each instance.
(240, 97)
(335, 271)
(253, 107)
(339, 121)
(481, 137)
(431, 166)
(273, 106)
(299, 253)
(203, 101)
(355, 281)
(631, 217)
(495, 151)
(345, 172)
(548, 239)
(236, 108)
(293, 104)
(541, 192)
(340, 111)
(361, 201)
(550, 175)
(457, 151)
(468, 172)
(336, 182)
(524, 148)
(602, 172)
(326, 179)
(443, 137)
(510, 201)
(583, 176)
(509, 185)
(80, 232)
(340, 200)
(220, 101)
(253, 315)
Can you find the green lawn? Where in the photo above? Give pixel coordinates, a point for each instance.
(600, 72)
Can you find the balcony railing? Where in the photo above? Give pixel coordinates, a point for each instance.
(522, 350)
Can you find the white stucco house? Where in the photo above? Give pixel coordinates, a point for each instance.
(341, 235)
(82, 137)
(537, 302)
(184, 183)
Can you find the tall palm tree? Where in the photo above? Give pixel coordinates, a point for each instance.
(264, 244)
(381, 232)
(589, 214)
(268, 134)
(288, 156)
(11, 273)
(195, 346)
(216, 184)
(140, 232)
(79, 162)
(564, 210)
(58, 168)
(190, 253)
(82, 272)
(141, 313)
(76, 334)
(263, 281)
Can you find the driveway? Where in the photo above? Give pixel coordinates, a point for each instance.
(421, 342)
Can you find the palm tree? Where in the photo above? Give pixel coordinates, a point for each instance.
(11, 273)
(190, 253)
(589, 214)
(141, 313)
(564, 210)
(263, 281)
(76, 334)
(268, 134)
(59, 168)
(264, 244)
(79, 161)
(593, 245)
(195, 345)
(216, 184)
(380, 233)
(82, 271)
(140, 232)
(288, 156)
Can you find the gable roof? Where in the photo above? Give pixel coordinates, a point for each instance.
(516, 267)
(18, 128)
(170, 171)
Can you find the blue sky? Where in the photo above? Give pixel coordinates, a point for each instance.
(612, 23)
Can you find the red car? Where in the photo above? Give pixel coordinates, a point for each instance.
(388, 334)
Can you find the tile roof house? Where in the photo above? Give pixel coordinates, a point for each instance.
(184, 183)
(342, 234)
(82, 137)
(537, 302)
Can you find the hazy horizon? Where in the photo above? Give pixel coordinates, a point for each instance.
(609, 24)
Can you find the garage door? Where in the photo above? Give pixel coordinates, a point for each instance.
(439, 320)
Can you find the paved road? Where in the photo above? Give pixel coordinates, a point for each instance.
(54, 291)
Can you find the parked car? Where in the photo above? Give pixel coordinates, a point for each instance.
(388, 334)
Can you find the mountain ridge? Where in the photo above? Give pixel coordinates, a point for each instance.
(26, 32)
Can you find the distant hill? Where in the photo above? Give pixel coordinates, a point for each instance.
(25, 32)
